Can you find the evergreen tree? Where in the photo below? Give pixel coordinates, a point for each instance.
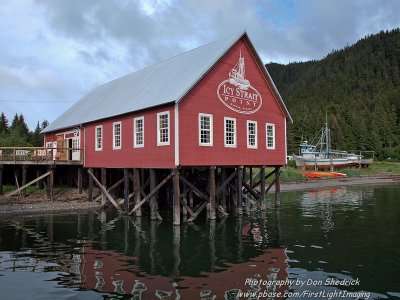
(3, 124)
(36, 138)
(358, 87)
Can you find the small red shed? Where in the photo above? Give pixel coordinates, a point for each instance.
(215, 105)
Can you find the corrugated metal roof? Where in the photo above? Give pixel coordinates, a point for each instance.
(159, 84)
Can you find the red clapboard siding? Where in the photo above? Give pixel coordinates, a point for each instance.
(150, 156)
(203, 99)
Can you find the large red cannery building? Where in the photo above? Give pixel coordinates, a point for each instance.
(207, 114)
(215, 105)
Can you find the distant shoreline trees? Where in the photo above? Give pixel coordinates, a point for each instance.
(17, 134)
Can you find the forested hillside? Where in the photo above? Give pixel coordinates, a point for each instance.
(358, 88)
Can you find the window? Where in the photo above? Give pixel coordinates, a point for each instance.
(138, 132)
(230, 132)
(205, 130)
(99, 138)
(270, 136)
(117, 138)
(252, 134)
(163, 128)
(75, 145)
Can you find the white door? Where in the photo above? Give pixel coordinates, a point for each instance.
(54, 150)
(76, 154)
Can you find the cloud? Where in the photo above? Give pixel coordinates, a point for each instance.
(56, 51)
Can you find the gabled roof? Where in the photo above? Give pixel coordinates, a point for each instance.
(163, 83)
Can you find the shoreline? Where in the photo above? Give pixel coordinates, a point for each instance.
(321, 183)
(36, 205)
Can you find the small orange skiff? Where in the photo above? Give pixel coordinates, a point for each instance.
(317, 174)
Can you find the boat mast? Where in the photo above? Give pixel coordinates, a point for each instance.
(327, 135)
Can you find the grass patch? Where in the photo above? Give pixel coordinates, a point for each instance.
(33, 189)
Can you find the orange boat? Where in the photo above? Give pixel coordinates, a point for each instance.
(318, 174)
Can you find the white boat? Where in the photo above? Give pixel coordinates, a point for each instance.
(320, 156)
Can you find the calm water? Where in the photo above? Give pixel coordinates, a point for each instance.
(315, 243)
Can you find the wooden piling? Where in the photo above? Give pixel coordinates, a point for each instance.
(153, 199)
(239, 190)
(80, 180)
(176, 199)
(126, 190)
(277, 186)
(212, 192)
(24, 173)
(51, 183)
(103, 172)
(137, 190)
(90, 188)
(223, 192)
(38, 183)
(263, 204)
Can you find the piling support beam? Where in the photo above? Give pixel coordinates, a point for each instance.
(51, 183)
(239, 187)
(103, 189)
(153, 199)
(126, 190)
(38, 183)
(263, 204)
(137, 191)
(212, 192)
(103, 172)
(137, 206)
(24, 173)
(176, 203)
(90, 187)
(80, 180)
(223, 196)
(277, 186)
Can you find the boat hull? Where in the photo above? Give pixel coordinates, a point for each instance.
(324, 163)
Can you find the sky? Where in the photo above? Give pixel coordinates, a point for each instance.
(53, 52)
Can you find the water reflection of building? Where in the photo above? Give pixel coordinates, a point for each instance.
(125, 257)
(109, 271)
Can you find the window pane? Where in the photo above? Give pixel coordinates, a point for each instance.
(205, 130)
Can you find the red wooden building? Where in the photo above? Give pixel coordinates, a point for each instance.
(214, 106)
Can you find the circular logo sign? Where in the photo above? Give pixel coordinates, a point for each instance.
(240, 98)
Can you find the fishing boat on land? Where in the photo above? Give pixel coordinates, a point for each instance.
(320, 156)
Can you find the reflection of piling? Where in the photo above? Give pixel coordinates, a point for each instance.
(176, 250)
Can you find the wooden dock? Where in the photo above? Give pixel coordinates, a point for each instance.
(187, 190)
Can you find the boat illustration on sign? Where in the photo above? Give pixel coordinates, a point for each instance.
(237, 93)
(237, 75)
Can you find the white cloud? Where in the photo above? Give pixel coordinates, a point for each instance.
(56, 51)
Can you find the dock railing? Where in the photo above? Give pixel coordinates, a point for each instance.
(40, 154)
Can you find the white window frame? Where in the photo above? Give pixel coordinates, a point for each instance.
(267, 136)
(234, 133)
(96, 144)
(160, 143)
(211, 130)
(115, 147)
(255, 146)
(135, 132)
